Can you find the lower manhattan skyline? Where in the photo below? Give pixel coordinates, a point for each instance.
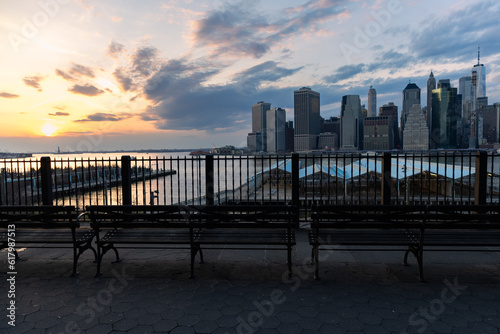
(172, 74)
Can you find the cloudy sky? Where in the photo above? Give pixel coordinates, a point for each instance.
(103, 75)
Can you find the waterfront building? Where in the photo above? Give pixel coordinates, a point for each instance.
(350, 123)
(378, 133)
(443, 129)
(372, 102)
(254, 142)
(276, 134)
(328, 141)
(307, 119)
(411, 96)
(416, 133)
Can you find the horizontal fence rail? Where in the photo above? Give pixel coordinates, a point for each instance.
(304, 180)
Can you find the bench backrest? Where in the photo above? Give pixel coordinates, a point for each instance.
(254, 216)
(38, 216)
(463, 216)
(133, 216)
(368, 216)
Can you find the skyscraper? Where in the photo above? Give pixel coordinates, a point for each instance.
(259, 123)
(392, 110)
(372, 102)
(411, 96)
(350, 119)
(431, 84)
(416, 134)
(464, 89)
(306, 118)
(443, 130)
(478, 81)
(276, 134)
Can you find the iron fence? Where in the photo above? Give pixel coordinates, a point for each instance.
(300, 179)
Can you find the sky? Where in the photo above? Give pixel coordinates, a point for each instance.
(87, 75)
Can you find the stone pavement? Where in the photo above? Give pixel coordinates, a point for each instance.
(248, 292)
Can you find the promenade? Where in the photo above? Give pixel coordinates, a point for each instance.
(247, 292)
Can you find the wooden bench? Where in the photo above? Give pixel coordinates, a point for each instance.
(370, 227)
(440, 227)
(193, 227)
(44, 227)
(142, 226)
(249, 227)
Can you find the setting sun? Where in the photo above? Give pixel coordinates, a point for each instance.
(48, 129)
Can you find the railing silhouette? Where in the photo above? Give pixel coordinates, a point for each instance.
(304, 180)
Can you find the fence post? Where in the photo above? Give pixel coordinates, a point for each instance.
(3, 189)
(481, 177)
(209, 179)
(386, 179)
(126, 180)
(46, 175)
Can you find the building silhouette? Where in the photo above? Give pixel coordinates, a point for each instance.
(431, 85)
(307, 119)
(378, 133)
(276, 133)
(416, 133)
(257, 139)
(350, 123)
(391, 110)
(411, 96)
(478, 81)
(372, 102)
(443, 129)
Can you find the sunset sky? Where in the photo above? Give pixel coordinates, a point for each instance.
(104, 75)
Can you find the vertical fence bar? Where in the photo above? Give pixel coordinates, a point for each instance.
(209, 179)
(295, 181)
(47, 196)
(126, 180)
(386, 179)
(481, 178)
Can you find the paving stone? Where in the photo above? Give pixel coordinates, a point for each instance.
(47, 322)
(210, 314)
(351, 324)
(289, 328)
(183, 330)
(308, 311)
(394, 325)
(101, 329)
(291, 317)
(231, 310)
(481, 327)
(206, 326)
(110, 318)
(171, 313)
(369, 319)
(188, 320)
(149, 319)
(308, 323)
(123, 307)
(385, 313)
(488, 308)
(164, 325)
(141, 329)
(331, 329)
(228, 321)
(125, 324)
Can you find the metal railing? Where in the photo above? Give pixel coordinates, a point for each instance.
(303, 180)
